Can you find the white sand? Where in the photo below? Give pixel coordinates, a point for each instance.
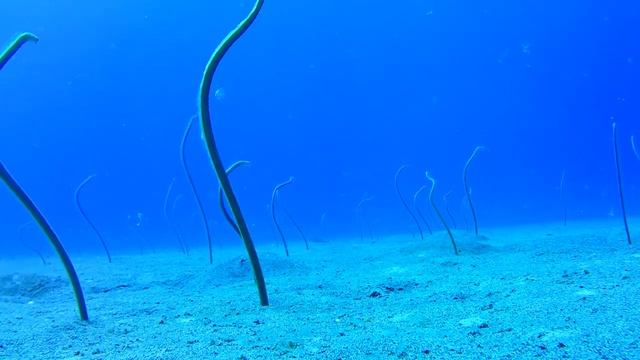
(527, 292)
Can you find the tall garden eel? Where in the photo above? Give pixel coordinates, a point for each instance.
(14, 46)
(207, 130)
(6, 177)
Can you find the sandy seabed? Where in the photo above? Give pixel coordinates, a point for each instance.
(542, 291)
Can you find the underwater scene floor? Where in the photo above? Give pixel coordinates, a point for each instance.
(543, 291)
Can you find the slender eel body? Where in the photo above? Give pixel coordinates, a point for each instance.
(53, 238)
(274, 197)
(404, 202)
(207, 130)
(165, 213)
(14, 46)
(225, 213)
(620, 187)
(417, 207)
(439, 214)
(467, 190)
(86, 217)
(192, 184)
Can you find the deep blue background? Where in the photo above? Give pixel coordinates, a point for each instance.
(338, 94)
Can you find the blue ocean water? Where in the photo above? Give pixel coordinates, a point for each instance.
(336, 94)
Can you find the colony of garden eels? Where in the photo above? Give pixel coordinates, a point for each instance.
(207, 130)
(236, 218)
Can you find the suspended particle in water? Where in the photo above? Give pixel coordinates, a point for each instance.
(220, 94)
